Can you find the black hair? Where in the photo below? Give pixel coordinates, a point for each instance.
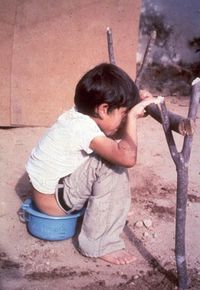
(105, 83)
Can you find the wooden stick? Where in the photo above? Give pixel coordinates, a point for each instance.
(177, 123)
(146, 56)
(181, 160)
(110, 46)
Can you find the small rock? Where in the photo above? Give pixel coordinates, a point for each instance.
(147, 223)
(102, 283)
(124, 276)
(154, 235)
(145, 234)
(139, 224)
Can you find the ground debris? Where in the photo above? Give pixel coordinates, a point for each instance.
(61, 272)
(153, 279)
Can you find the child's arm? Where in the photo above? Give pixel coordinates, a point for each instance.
(124, 152)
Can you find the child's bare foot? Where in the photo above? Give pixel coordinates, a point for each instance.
(121, 257)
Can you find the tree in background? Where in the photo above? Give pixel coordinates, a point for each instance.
(151, 19)
(195, 44)
(167, 68)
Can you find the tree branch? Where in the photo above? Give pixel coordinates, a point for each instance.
(146, 56)
(193, 107)
(168, 132)
(181, 161)
(177, 123)
(110, 46)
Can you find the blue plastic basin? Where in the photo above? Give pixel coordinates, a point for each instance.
(47, 227)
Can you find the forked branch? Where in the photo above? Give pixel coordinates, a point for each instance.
(181, 160)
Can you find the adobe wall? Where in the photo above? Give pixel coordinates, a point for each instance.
(47, 45)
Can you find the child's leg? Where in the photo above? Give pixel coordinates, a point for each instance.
(106, 188)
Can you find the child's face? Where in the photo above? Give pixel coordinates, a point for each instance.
(111, 121)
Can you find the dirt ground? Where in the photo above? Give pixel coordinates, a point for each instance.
(29, 263)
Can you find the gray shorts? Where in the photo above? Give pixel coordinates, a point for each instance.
(104, 189)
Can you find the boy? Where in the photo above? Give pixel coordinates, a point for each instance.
(80, 150)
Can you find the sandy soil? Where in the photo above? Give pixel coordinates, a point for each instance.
(29, 263)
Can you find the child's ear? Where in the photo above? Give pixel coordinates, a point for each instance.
(102, 110)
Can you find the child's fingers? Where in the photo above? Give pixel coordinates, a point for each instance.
(150, 101)
(139, 110)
